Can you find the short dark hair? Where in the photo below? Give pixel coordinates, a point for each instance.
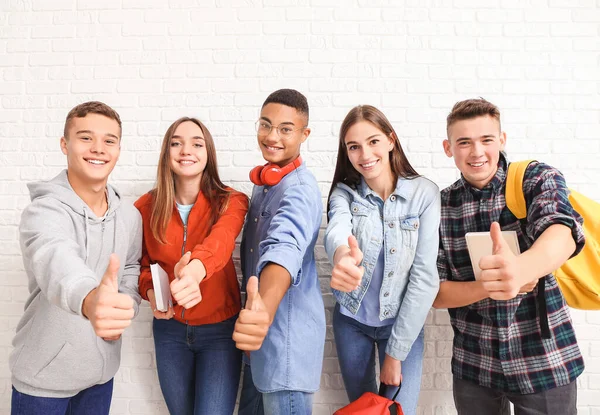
(472, 108)
(289, 98)
(91, 107)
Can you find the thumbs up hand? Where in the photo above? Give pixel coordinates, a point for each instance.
(252, 325)
(185, 288)
(109, 311)
(500, 271)
(347, 272)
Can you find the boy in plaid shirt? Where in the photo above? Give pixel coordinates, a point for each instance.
(503, 350)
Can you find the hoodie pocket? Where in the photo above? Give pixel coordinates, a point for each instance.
(68, 371)
(60, 351)
(63, 351)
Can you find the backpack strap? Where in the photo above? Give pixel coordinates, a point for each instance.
(515, 201)
(515, 198)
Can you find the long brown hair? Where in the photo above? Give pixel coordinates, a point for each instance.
(345, 172)
(163, 195)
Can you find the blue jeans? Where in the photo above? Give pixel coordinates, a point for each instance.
(355, 343)
(94, 400)
(198, 366)
(252, 402)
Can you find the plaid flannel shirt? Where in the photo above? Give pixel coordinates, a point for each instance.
(498, 344)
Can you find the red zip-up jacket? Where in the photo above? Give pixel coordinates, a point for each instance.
(214, 247)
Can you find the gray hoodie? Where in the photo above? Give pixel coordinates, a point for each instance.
(66, 249)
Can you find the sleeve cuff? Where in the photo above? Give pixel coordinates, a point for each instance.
(78, 293)
(145, 284)
(333, 246)
(576, 231)
(397, 350)
(285, 260)
(207, 260)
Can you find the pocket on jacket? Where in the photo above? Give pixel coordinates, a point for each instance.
(360, 213)
(410, 231)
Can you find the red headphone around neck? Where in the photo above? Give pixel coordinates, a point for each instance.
(271, 174)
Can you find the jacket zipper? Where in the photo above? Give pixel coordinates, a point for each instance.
(183, 252)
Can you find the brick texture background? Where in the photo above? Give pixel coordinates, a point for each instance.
(157, 60)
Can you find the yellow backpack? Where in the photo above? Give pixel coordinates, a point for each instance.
(579, 277)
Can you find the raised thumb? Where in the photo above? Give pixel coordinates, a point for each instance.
(355, 251)
(183, 261)
(498, 242)
(253, 300)
(110, 280)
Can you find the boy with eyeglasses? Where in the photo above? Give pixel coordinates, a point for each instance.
(282, 328)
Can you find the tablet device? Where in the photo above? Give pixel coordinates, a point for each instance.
(480, 244)
(162, 291)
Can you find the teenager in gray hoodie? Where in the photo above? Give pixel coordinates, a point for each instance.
(81, 248)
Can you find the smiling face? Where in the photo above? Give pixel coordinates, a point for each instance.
(187, 153)
(476, 144)
(368, 150)
(92, 146)
(277, 150)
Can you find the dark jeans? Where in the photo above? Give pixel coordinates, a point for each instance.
(471, 398)
(93, 401)
(198, 366)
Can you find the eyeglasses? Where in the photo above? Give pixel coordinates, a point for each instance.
(284, 131)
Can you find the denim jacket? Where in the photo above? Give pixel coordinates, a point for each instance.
(282, 227)
(406, 227)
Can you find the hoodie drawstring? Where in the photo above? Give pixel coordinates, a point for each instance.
(87, 245)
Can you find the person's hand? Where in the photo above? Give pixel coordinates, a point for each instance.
(185, 288)
(253, 323)
(500, 271)
(347, 272)
(391, 371)
(161, 315)
(109, 311)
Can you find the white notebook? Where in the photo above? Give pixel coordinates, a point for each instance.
(162, 292)
(480, 244)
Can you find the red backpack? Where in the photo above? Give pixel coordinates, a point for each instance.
(372, 404)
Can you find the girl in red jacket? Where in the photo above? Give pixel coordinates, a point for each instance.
(191, 221)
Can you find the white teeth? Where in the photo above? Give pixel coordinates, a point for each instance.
(371, 164)
(186, 162)
(97, 162)
(476, 164)
(272, 148)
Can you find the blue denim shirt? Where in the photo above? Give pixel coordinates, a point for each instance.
(408, 232)
(282, 227)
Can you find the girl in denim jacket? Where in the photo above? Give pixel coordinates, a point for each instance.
(382, 240)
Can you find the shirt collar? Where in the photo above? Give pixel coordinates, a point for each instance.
(404, 189)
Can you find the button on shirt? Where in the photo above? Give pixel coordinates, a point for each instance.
(283, 229)
(498, 344)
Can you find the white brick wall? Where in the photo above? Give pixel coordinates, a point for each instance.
(218, 59)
